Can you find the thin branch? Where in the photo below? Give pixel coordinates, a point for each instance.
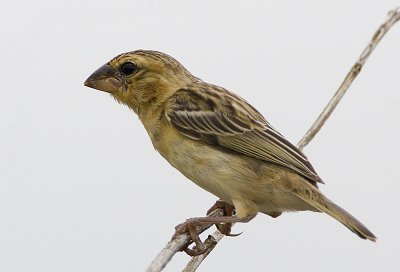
(393, 17)
(178, 242)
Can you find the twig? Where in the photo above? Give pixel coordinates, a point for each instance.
(181, 240)
(393, 17)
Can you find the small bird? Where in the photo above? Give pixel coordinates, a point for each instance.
(218, 140)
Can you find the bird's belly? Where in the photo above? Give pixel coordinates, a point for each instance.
(217, 172)
(210, 170)
(230, 176)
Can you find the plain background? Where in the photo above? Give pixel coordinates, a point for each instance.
(81, 187)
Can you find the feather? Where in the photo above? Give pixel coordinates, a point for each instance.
(205, 110)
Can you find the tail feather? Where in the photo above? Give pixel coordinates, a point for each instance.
(322, 203)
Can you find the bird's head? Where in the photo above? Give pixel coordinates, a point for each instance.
(141, 79)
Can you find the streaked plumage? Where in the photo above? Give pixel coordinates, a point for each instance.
(212, 114)
(217, 139)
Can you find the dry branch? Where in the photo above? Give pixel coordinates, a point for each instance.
(176, 244)
(393, 17)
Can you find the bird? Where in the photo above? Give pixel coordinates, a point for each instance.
(218, 140)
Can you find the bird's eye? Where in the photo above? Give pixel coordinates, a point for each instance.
(128, 68)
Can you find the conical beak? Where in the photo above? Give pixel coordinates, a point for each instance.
(105, 79)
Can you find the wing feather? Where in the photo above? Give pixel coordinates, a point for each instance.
(207, 110)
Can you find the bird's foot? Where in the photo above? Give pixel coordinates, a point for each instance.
(190, 226)
(223, 223)
(229, 210)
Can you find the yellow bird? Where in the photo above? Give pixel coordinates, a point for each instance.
(217, 140)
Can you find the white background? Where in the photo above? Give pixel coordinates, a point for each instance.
(81, 187)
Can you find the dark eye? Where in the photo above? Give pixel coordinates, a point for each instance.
(128, 68)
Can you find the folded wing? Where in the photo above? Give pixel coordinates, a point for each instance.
(215, 116)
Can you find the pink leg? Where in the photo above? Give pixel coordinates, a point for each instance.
(229, 210)
(224, 224)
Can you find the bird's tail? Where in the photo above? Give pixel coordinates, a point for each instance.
(316, 199)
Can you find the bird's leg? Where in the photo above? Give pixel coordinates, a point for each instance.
(229, 210)
(190, 226)
(220, 204)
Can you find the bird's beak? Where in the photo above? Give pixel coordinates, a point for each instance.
(104, 79)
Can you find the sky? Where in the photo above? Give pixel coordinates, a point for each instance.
(81, 187)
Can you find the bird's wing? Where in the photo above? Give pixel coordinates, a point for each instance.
(215, 116)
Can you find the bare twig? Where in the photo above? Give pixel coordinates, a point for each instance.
(177, 243)
(393, 17)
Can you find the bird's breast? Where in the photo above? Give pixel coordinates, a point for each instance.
(223, 174)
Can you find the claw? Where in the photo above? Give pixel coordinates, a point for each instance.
(225, 229)
(195, 251)
(234, 234)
